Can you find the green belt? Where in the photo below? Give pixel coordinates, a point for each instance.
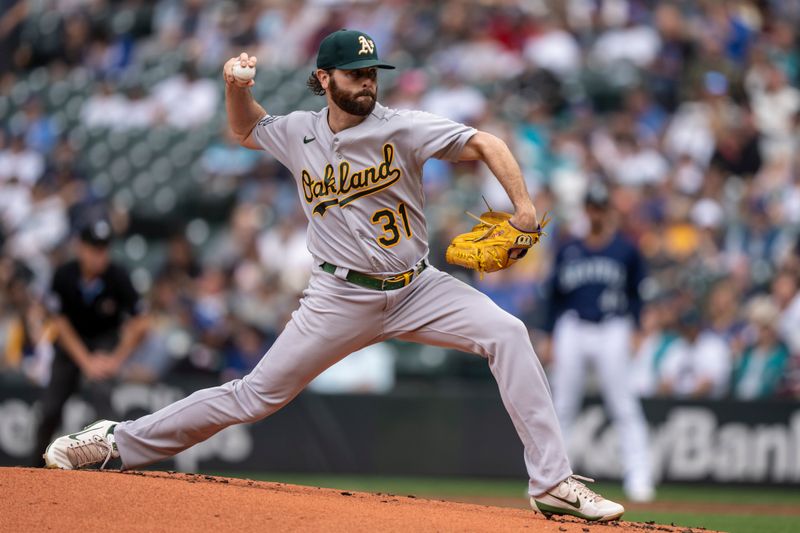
(380, 284)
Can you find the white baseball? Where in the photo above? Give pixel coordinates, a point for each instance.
(243, 73)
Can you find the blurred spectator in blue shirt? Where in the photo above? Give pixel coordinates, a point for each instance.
(244, 350)
(757, 241)
(41, 130)
(723, 311)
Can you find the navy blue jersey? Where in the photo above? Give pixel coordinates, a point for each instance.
(596, 283)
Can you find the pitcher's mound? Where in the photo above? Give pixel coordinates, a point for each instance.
(58, 500)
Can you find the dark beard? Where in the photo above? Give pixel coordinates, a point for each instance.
(348, 103)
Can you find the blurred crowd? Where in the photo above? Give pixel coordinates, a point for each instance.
(687, 110)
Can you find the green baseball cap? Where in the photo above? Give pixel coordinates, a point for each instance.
(349, 50)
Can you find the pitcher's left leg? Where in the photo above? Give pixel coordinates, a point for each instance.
(438, 309)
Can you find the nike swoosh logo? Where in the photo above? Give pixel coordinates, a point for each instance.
(306, 140)
(576, 504)
(74, 435)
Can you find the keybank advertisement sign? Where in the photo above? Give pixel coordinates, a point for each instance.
(700, 443)
(453, 433)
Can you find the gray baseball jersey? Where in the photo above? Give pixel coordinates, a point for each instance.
(362, 192)
(361, 188)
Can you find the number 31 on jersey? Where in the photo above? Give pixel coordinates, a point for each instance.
(389, 218)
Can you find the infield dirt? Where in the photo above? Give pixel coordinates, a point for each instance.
(86, 501)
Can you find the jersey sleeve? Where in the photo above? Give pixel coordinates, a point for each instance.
(272, 134)
(438, 137)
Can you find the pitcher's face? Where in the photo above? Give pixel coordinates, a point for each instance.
(354, 91)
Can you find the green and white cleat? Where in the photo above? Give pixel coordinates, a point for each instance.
(94, 444)
(571, 497)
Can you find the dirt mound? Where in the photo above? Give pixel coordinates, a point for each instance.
(42, 500)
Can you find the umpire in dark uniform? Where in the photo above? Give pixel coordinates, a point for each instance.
(99, 322)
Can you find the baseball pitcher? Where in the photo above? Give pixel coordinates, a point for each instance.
(358, 167)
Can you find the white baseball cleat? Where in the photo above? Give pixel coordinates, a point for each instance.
(571, 497)
(94, 444)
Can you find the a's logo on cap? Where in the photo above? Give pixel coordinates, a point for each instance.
(367, 45)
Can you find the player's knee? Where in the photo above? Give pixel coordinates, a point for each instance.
(257, 403)
(507, 328)
(514, 328)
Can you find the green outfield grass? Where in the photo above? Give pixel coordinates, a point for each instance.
(454, 488)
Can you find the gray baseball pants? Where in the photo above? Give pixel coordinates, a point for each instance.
(337, 318)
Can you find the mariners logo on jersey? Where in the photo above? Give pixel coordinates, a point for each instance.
(591, 270)
(345, 187)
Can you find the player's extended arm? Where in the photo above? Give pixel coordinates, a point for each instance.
(243, 111)
(498, 157)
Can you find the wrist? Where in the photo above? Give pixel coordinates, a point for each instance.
(525, 208)
(234, 85)
(525, 220)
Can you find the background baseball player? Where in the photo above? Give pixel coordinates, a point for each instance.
(594, 309)
(358, 167)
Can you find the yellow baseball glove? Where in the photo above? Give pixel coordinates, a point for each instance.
(493, 244)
